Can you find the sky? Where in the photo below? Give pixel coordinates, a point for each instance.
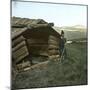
(59, 14)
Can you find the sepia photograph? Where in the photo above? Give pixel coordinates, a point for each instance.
(49, 44)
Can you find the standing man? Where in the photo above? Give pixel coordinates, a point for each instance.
(62, 42)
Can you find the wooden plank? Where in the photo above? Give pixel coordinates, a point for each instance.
(20, 51)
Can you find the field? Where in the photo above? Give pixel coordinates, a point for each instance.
(71, 71)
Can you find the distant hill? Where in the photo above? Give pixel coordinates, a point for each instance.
(79, 26)
(73, 32)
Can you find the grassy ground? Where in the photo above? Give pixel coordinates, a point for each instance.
(71, 71)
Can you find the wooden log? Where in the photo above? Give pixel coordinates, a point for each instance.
(20, 53)
(52, 57)
(53, 52)
(19, 66)
(53, 46)
(42, 53)
(38, 49)
(53, 41)
(18, 46)
(42, 65)
(18, 26)
(38, 45)
(34, 41)
(27, 68)
(51, 37)
(23, 65)
(38, 25)
(20, 58)
(17, 32)
(17, 41)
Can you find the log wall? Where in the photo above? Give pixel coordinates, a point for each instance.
(19, 49)
(37, 46)
(53, 47)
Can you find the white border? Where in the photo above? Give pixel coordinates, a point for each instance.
(5, 44)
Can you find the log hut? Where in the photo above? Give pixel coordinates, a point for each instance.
(33, 37)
